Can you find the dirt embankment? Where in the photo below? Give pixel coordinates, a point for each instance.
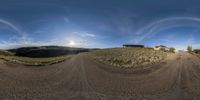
(83, 78)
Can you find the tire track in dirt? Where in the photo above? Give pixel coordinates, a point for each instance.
(177, 93)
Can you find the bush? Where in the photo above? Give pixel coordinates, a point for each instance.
(172, 50)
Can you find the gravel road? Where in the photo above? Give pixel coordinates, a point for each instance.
(83, 78)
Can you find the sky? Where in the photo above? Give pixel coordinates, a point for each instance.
(99, 23)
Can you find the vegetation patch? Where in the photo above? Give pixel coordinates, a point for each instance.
(129, 57)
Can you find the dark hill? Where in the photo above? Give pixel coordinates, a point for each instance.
(47, 51)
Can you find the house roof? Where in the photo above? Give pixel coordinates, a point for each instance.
(131, 45)
(161, 46)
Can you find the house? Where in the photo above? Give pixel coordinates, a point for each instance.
(130, 45)
(161, 47)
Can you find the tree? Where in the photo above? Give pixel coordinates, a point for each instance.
(172, 50)
(189, 48)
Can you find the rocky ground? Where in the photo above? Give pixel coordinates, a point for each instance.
(129, 57)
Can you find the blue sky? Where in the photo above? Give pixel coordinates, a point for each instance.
(99, 23)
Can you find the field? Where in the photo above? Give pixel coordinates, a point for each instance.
(129, 57)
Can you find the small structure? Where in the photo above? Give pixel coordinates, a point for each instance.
(161, 47)
(130, 45)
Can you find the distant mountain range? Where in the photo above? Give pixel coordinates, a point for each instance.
(47, 51)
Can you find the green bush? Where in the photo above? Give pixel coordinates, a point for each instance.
(189, 48)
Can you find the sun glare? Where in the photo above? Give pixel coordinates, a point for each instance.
(71, 43)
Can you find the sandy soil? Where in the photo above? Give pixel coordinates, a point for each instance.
(83, 78)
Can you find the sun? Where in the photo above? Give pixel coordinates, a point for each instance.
(71, 43)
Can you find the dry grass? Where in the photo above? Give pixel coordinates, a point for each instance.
(129, 57)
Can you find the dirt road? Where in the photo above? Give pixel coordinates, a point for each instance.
(83, 78)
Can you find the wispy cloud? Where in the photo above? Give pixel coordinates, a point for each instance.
(84, 34)
(12, 27)
(88, 35)
(21, 37)
(163, 24)
(66, 19)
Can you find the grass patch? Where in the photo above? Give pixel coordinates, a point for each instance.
(195, 54)
(6, 53)
(34, 61)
